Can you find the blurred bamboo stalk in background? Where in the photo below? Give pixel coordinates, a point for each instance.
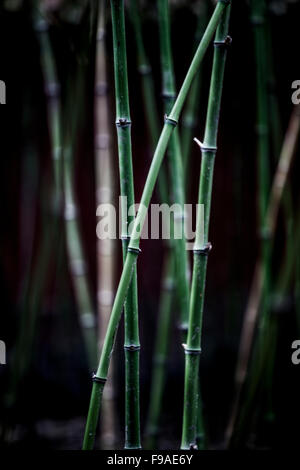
(258, 22)
(75, 251)
(175, 165)
(189, 117)
(35, 285)
(106, 259)
(251, 314)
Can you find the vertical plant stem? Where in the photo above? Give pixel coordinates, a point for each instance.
(167, 284)
(258, 10)
(192, 105)
(175, 162)
(160, 356)
(202, 246)
(77, 261)
(133, 247)
(278, 184)
(262, 269)
(104, 195)
(50, 231)
(75, 248)
(123, 123)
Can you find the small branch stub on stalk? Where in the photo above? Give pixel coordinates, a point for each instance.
(225, 43)
(204, 147)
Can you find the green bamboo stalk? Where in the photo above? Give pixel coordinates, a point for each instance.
(257, 290)
(77, 262)
(202, 246)
(165, 301)
(176, 172)
(258, 299)
(189, 116)
(160, 357)
(175, 162)
(258, 11)
(106, 258)
(145, 70)
(36, 284)
(75, 250)
(133, 247)
(189, 122)
(123, 124)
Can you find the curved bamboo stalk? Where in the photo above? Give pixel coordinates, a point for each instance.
(202, 246)
(133, 247)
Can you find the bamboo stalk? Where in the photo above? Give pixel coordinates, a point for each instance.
(75, 249)
(133, 247)
(50, 234)
(202, 246)
(189, 116)
(167, 283)
(250, 319)
(160, 356)
(175, 162)
(258, 11)
(104, 194)
(263, 266)
(166, 295)
(123, 124)
(145, 70)
(77, 261)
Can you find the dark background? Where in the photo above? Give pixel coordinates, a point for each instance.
(58, 384)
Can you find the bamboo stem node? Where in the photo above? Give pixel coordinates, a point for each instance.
(136, 251)
(172, 122)
(225, 43)
(99, 380)
(132, 347)
(203, 251)
(123, 122)
(191, 351)
(204, 147)
(168, 95)
(144, 69)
